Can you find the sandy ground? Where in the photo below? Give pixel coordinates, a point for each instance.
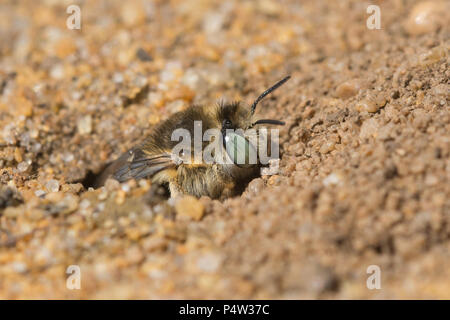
(365, 166)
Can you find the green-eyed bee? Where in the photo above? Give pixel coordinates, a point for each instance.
(155, 158)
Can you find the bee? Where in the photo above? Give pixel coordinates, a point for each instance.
(154, 158)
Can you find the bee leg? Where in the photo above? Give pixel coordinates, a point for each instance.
(228, 191)
(175, 189)
(226, 187)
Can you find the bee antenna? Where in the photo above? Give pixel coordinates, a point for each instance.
(265, 93)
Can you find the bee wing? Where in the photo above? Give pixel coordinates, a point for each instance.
(135, 164)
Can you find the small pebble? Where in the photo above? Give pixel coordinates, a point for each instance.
(70, 203)
(432, 56)
(327, 146)
(348, 89)
(143, 55)
(209, 262)
(52, 186)
(67, 157)
(112, 185)
(368, 105)
(426, 17)
(23, 166)
(39, 193)
(331, 179)
(84, 204)
(19, 267)
(156, 99)
(118, 77)
(189, 207)
(18, 155)
(256, 186)
(120, 197)
(133, 13)
(369, 128)
(395, 94)
(84, 125)
(13, 212)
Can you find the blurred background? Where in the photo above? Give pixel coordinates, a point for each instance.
(364, 176)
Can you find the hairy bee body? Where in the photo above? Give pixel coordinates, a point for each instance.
(154, 157)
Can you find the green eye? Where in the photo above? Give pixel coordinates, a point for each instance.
(240, 150)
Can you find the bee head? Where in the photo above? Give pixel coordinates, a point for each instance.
(235, 117)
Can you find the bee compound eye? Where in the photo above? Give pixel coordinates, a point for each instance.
(240, 150)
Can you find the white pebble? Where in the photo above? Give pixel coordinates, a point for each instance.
(331, 179)
(85, 125)
(23, 166)
(209, 262)
(118, 77)
(84, 204)
(52, 186)
(19, 267)
(67, 157)
(39, 193)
